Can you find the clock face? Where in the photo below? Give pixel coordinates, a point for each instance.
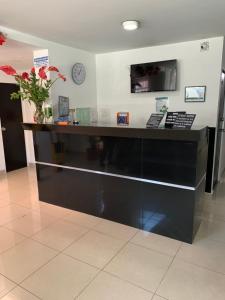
(78, 73)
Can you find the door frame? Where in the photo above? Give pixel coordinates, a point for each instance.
(218, 139)
(3, 167)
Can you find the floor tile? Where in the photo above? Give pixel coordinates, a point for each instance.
(156, 297)
(215, 207)
(28, 203)
(82, 219)
(31, 223)
(19, 294)
(24, 191)
(95, 248)
(185, 281)
(4, 201)
(214, 230)
(4, 188)
(53, 210)
(65, 275)
(23, 259)
(141, 266)
(5, 285)
(206, 253)
(60, 234)
(116, 230)
(107, 287)
(11, 212)
(156, 242)
(9, 239)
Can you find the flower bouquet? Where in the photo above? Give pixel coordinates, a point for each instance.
(34, 87)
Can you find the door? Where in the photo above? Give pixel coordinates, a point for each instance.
(12, 131)
(220, 143)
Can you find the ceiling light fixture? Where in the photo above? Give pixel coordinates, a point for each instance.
(130, 25)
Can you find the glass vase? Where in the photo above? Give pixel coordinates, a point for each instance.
(39, 114)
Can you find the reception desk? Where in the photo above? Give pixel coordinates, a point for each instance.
(152, 179)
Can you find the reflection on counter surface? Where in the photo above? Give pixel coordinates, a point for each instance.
(150, 183)
(169, 161)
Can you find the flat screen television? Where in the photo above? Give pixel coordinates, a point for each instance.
(154, 76)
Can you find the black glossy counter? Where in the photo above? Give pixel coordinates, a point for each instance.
(152, 179)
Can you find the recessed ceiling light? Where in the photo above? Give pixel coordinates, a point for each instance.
(131, 25)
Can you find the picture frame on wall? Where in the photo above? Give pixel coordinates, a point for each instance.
(195, 93)
(122, 118)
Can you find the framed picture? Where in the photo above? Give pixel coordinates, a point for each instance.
(122, 118)
(195, 93)
(63, 106)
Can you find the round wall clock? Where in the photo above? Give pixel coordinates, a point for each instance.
(78, 73)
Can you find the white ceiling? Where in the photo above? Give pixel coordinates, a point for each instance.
(95, 25)
(19, 55)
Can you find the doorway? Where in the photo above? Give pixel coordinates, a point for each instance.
(12, 131)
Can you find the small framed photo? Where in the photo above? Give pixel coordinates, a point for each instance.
(195, 93)
(63, 106)
(123, 118)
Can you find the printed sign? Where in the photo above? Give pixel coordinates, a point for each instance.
(184, 121)
(171, 118)
(154, 120)
(162, 104)
(41, 61)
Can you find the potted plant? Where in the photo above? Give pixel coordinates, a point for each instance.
(34, 87)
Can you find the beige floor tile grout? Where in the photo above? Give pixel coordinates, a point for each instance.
(110, 235)
(102, 269)
(58, 253)
(26, 291)
(19, 283)
(78, 224)
(8, 249)
(152, 249)
(30, 236)
(61, 251)
(163, 298)
(127, 281)
(16, 283)
(199, 266)
(167, 269)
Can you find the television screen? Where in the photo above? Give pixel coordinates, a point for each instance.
(154, 77)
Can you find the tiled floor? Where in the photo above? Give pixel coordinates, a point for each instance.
(51, 253)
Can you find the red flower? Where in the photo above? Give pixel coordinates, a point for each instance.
(25, 76)
(42, 74)
(32, 70)
(52, 68)
(8, 70)
(2, 39)
(62, 77)
(42, 68)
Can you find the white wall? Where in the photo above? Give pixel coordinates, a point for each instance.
(64, 57)
(80, 96)
(194, 68)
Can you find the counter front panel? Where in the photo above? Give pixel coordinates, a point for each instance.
(160, 160)
(155, 183)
